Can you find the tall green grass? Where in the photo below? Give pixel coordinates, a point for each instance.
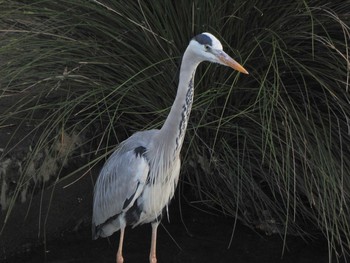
(269, 149)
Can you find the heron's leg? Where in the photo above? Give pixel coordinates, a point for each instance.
(119, 257)
(152, 254)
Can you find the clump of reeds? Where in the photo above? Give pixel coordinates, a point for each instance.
(269, 149)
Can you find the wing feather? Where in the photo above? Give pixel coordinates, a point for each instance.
(120, 183)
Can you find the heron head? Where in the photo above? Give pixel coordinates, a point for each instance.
(208, 48)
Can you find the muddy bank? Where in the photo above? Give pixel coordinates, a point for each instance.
(196, 237)
(63, 207)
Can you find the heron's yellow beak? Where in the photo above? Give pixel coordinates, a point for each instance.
(228, 61)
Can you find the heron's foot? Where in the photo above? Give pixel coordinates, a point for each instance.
(153, 259)
(119, 259)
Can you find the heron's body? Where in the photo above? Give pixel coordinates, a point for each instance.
(140, 177)
(144, 193)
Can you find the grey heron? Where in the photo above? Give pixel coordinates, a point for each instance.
(139, 179)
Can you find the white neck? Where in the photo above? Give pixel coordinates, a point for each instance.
(174, 128)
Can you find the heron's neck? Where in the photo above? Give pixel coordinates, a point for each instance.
(174, 128)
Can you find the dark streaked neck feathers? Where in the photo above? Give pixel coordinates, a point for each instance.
(174, 128)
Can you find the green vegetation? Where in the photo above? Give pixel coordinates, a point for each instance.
(270, 149)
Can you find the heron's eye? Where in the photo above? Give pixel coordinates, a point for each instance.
(207, 47)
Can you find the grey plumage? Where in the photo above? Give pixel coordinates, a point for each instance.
(126, 177)
(121, 180)
(139, 179)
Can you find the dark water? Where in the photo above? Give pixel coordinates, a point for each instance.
(206, 240)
